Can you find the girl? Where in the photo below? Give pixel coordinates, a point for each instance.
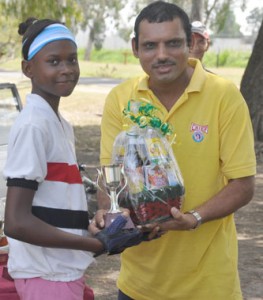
(46, 216)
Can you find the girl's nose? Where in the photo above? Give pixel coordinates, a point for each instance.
(66, 67)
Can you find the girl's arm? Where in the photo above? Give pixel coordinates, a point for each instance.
(22, 225)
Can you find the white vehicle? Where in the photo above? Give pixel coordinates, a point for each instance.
(10, 106)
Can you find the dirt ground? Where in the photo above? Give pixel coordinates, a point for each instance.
(249, 221)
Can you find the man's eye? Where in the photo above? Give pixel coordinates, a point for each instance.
(149, 45)
(175, 43)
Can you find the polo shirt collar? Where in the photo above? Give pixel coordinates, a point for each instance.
(199, 76)
(39, 102)
(143, 83)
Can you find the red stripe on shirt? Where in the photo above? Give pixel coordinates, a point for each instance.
(63, 172)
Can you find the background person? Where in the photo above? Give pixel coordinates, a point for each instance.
(218, 168)
(201, 40)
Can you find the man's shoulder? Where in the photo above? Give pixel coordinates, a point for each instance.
(217, 80)
(133, 83)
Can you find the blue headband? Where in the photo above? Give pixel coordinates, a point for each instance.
(51, 33)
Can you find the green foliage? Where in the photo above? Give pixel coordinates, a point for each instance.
(110, 56)
(104, 58)
(255, 18)
(227, 58)
(10, 41)
(229, 27)
(94, 16)
(62, 10)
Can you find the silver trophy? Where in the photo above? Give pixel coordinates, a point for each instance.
(114, 182)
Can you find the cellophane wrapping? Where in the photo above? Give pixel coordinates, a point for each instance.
(153, 179)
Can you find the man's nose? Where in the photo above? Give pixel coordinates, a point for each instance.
(161, 52)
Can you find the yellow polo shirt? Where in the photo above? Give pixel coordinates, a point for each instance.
(214, 144)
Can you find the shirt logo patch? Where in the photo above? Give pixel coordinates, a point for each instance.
(199, 132)
(198, 136)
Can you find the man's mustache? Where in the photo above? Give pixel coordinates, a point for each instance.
(161, 63)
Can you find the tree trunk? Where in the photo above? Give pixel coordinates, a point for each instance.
(89, 45)
(196, 10)
(251, 86)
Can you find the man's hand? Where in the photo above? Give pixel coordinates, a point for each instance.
(180, 221)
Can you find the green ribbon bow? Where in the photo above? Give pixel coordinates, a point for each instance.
(144, 114)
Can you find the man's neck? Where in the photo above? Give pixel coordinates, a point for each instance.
(169, 93)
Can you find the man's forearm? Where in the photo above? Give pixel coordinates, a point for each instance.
(236, 194)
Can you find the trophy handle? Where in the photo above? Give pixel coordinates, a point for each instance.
(114, 211)
(113, 195)
(124, 186)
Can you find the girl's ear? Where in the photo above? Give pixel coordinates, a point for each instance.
(134, 48)
(27, 68)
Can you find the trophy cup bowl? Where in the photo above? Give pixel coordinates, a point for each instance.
(112, 179)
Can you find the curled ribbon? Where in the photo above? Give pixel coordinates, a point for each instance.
(143, 114)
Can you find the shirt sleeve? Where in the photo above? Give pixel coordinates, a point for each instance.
(237, 152)
(26, 156)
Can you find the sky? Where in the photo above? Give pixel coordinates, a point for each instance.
(241, 16)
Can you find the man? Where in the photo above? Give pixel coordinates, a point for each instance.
(215, 155)
(201, 40)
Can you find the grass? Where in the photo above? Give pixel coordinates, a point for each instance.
(123, 71)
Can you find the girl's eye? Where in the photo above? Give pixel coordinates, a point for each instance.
(74, 60)
(54, 62)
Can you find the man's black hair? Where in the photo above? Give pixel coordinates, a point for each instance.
(160, 11)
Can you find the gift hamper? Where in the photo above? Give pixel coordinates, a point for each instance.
(153, 179)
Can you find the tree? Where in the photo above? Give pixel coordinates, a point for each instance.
(14, 12)
(91, 15)
(125, 28)
(196, 10)
(9, 39)
(254, 20)
(62, 10)
(251, 88)
(95, 13)
(215, 14)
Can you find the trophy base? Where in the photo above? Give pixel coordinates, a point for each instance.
(110, 217)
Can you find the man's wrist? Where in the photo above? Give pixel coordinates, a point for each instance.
(198, 218)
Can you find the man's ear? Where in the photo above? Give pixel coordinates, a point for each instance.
(192, 42)
(134, 48)
(27, 68)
